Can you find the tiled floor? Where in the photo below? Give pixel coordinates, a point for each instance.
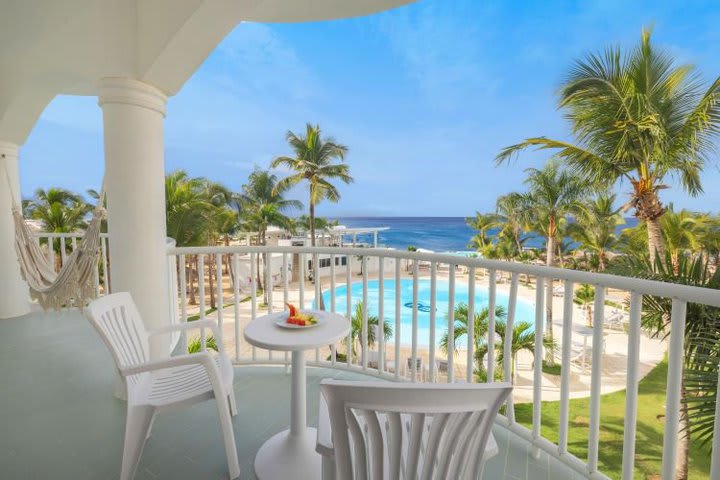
(59, 419)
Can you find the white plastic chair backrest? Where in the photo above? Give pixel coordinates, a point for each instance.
(383, 430)
(118, 322)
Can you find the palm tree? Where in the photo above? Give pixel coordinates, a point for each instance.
(553, 194)
(636, 117)
(513, 217)
(187, 209)
(264, 205)
(314, 162)
(681, 232)
(59, 211)
(482, 223)
(480, 331)
(595, 227)
(356, 330)
(523, 338)
(702, 341)
(585, 296)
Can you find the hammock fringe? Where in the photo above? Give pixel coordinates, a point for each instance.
(74, 284)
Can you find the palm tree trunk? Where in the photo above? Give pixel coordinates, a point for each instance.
(550, 359)
(312, 223)
(655, 240)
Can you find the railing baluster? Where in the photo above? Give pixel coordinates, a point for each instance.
(538, 360)
(201, 294)
(106, 277)
(268, 281)
(507, 343)
(301, 279)
(348, 310)
(414, 340)
(596, 378)
(253, 294)
(398, 305)
(470, 325)
(492, 298)
(333, 347)
(433, 314)
(674, 379)
(183, 300)
(235, 276)
(565, 366)
(63, 253)
(715, 457)
(319, 303)
(219, 292)
(267, 267)
(286, 293)
(631, 388)
(73, 241)
(51, 252)
(364, 336)
(451, 323)
(381, 316)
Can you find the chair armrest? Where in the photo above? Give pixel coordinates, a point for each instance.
(202, 358)
(196, 324)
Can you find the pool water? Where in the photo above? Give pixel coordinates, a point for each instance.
(524, 311)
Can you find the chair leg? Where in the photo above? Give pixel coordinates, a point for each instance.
(228, 437)
(232, 402)
(137, 430)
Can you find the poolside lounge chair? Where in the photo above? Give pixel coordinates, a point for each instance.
(617, 320)
(406, 430)
(157, 385)
(418, 367)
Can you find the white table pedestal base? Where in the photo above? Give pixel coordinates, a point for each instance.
(287, 457)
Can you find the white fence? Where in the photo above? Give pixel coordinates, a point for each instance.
(397, 269)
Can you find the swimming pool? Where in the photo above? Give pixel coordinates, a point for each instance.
(524, 311)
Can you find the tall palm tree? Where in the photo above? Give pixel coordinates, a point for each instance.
(553, 194)
(60, 211)
(480, 331)
(636, 117)
(356, 330)
(595, 227)
(263, 205)
(315, 162)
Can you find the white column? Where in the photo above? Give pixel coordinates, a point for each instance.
(14, 295)
(133, 115)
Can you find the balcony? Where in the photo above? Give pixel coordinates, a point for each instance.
(63, 405)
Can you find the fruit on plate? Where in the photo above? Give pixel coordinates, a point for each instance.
(298, 318)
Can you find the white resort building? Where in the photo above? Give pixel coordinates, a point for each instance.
(66, 413)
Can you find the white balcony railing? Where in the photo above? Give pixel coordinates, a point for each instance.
(291, 269)
(286, 269)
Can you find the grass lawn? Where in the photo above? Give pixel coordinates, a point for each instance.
(648, 449)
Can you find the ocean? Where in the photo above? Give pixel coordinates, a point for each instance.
(439, 234)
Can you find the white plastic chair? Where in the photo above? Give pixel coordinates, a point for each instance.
(382, 430)
(157, 385)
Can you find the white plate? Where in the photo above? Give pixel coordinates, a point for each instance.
(282, 322)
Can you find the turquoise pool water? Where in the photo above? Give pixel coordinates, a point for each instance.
(525, 311)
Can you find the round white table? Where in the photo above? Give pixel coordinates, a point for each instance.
(291, 453)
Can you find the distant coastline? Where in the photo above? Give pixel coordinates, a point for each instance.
(433, 233)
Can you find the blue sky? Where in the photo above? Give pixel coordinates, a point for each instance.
(424, 96)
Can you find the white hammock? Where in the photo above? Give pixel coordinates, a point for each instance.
(74, 284)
